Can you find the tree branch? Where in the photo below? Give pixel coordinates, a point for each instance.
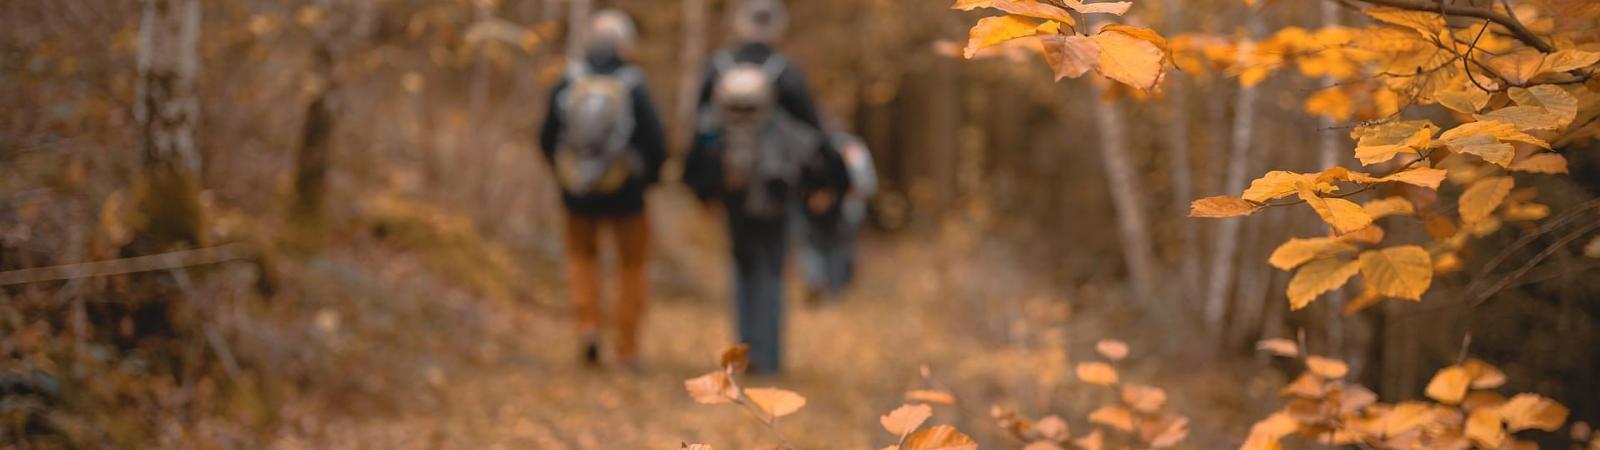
(1518, 31)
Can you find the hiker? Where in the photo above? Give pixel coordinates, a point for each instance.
(828, 242)
(758, 148)
(605, 144)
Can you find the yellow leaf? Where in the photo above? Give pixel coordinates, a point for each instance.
(1113, 416)
(1297, 251)
(939, 437)
(1483, 428)
(712, 388)
(1114, 8)
(1334, 104)
(1381, 143)
(1467, 100)
(1070, 55)
(1307, 385)
(1565, 60)
(1097, 373)
(1388, 206)
(1139, 32)
(1532, 411)
(1130, 60)
(905, 419)
(1558, 102)
(1405, 417)
(1095, 440)
(1518, 67)
(1500, 131)
(1427, 177)
(1401, 272)
(1428, 24)
(1484, 376)
(991, 31)
(1025, 8)
(1279, 346)
(936, 397)
(1345, 216)
(1163, 431)
(1319, 276)
(1480, 199)
(1145, 399)
(1112, 349)
(1449, 386)
(1277, 184)
(1541, 163)
(1369, 235)
(1525, 211)
(776, 402)
(1526, 117)
(1328, 368)
(1052, 428)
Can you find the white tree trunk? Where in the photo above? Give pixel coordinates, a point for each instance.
(169, 61)
(694, 49)
(1328, 156)
(1182, 171)
(1227, 231)
(1123, 183)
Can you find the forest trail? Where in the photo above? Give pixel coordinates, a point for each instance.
(945, 302)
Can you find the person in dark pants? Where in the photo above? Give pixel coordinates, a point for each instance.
(759, 148)
(827, 245)
(605, 143)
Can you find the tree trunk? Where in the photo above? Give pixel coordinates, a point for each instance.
(577, 27)
(1123, 183)
(1178, 157)
(166, 110)
(311, 161)
(693, 62)
(1328, 156)
(1227, 231)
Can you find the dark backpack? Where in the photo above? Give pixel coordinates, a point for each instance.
(593, 156)
(763, 148)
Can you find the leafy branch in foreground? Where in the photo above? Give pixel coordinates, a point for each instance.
(1133, 420)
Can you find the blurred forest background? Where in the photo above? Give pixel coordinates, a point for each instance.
(367, 256)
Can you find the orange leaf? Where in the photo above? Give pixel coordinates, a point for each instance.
(776, 402)
(939, 437)
(1097, 373)
(905, 419)
(1222, 206)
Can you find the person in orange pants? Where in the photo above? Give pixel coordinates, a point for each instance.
(605, 144)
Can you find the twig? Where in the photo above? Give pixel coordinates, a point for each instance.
(1522, 33)
(770, 422)
(147, 263)
(1557, 245)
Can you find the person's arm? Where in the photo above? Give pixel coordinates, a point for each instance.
(794, 96)
(550, 132)
(649, 136)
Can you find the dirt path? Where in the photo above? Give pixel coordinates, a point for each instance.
(946, 303)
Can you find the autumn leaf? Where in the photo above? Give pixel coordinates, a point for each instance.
(931, 396)
(991, 31)
(1222, 206)
(735, 359)
(1532, 411)
(1280, 183)
(1297, 251)
(1145, 399)
(1112, 349)
(1541, 163)
(776, 402)
(1096, 373)
(688, 446)
(1481, 198)
(1114, 8)
(1517, 67)
(1483, 428)
(1427, 177)
(1130, 60)
(1484, 376)
(1345, 216)
(1139, 32)
(712, 388)
(1526, 117)
(1467, 100)
(1554, 100)
(1328, 368)
(1113, 416)
(1565, 60)
(1279, 346)
(1449, 385)
(905, 419)
(939, 437)
(1095, 440)
(1388, 206)
(1405, 417)
(1319, 276)
(1369, 235)
(1052, 428)
(1428, 24)
(1401, 272)
(1163, 431)
(1070, 56)
(1381, 143)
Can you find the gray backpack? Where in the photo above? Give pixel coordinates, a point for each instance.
(593, 156)
(764, 149)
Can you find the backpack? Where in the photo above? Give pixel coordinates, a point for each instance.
(593, 156)
(762, 160)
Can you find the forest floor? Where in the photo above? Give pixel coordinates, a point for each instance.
(984, 326)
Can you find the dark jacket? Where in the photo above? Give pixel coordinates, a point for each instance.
(648, 140)
(702, 166)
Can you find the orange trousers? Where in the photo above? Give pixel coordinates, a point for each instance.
(632, 236)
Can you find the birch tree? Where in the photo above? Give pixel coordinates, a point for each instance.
(166, 111)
